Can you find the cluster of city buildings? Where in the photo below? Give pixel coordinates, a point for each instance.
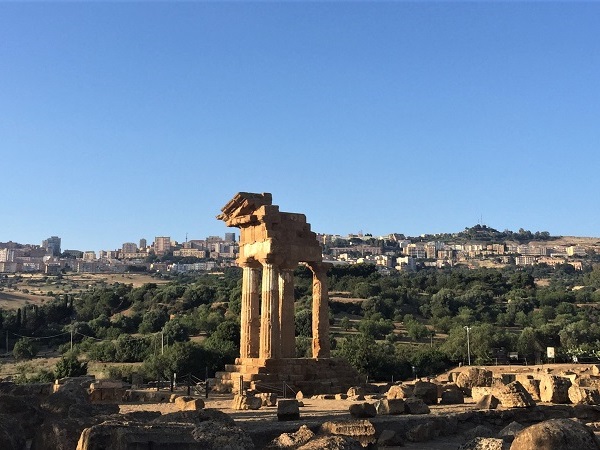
(162, 255)
(396, 252)
(389, 253)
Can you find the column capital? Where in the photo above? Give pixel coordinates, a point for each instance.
(250, 263)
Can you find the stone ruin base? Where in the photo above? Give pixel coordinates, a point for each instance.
(309, 375)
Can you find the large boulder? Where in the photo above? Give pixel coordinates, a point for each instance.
(389, 406)
(353, 428)
(288, 410)
(452, 396)
(363, 410)
(487, 402)
(554, 389)
(584, 395)
(533, 387)
(513, 395)
(426, 391)
(556, 434)
(292, 440)
(184, 403)
(356, 390)
(473, 377)
(399, 391)
(244, 402)
(415, 405)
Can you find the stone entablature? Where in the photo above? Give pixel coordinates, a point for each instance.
(272, 244)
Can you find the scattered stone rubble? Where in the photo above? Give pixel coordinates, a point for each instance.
(82, 414)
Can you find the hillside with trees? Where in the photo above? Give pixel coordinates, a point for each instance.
(392, 326)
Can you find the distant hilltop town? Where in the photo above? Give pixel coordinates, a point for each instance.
(478, 246)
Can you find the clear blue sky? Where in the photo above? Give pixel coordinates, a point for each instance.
(127, 120)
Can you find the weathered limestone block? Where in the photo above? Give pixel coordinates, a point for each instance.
(554, 389)
(533, 387)
(292, 440)
(415, 405)
(399, 391)
(288, 410)
(184, 403)
(426, 391)
(268, 398)
(474, 377)
(513, 395)
(299, 395)
(341, 396)
(584, 396)
(363, 410)
(452, 395)
(356, 390)
(389, 406)
(596, 370)
(243, 402)
(352, 428)
(556, 434)
(478, 392)
(487, 402)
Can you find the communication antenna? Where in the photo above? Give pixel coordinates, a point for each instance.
(186, 238)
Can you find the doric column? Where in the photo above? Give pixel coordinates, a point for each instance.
(269, 314)
(320, 312)
(287, 324)
(250, 315)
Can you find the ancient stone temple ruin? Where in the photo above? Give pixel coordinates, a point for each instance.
(272, 244)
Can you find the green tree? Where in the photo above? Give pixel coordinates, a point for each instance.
(345, 323)
(378, 361)
(70, 366)
(153, 321)
(175, 331)
(303, 320)
(25, 349)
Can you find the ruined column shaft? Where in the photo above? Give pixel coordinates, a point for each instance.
(287, 323)
(250, 315)
(320, 313)
(269, 315)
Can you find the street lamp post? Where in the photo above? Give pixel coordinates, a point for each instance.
(468, 345)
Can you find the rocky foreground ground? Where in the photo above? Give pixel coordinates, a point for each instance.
(549, 408)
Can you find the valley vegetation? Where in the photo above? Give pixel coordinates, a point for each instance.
(387, 327)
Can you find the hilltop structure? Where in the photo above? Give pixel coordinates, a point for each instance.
(274, 243)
